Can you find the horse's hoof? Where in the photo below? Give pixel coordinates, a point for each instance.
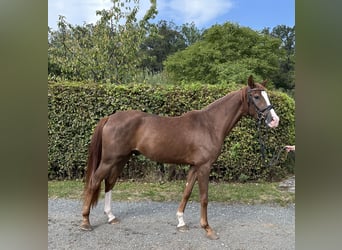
(114, 221)
(212, 235)
(183, 228)
(86, 227)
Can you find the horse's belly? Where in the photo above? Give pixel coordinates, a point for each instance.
(165, 151)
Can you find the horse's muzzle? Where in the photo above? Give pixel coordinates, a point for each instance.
(272, 120)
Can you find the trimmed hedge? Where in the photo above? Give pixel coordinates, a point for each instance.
(74, 110)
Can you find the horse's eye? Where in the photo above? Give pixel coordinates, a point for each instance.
(256, 97)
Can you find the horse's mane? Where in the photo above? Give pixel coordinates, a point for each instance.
(227, 97)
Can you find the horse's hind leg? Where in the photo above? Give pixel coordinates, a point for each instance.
(92, 193)
(191, 179)
(109, 184)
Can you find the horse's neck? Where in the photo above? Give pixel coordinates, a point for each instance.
(225, 113)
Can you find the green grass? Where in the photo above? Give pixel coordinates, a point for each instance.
(245, 193)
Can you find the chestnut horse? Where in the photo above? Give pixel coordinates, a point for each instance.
(194, 138)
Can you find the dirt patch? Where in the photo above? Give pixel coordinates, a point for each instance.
(288, 184)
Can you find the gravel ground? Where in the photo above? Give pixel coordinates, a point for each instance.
(152, 225)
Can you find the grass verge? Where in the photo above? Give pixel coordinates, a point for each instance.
(245, 193)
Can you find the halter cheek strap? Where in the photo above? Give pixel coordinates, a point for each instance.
(259, 111)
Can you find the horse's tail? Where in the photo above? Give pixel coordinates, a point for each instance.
(94, 158)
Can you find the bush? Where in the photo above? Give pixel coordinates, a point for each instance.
(74, 110)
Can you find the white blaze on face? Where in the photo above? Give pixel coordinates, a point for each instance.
(275, 119)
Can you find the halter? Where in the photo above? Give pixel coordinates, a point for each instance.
(262, 115)
(260, 112)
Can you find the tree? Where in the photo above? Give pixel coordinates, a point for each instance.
(191, 33)
(285, 77)
(168, 39)
(226, 53)
(104, 52)
(54, 53)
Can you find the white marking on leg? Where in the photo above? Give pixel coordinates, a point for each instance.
(180, 217)
(107, 206)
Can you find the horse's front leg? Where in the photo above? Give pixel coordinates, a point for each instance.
(190, 181)
(203, 181)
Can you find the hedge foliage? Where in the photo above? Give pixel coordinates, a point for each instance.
(74, 110)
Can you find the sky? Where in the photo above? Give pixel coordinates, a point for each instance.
(256, 14)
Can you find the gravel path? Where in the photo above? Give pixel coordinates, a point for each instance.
(152, 225)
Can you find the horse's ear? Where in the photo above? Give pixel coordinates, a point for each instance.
(264, 83)
(251, 82)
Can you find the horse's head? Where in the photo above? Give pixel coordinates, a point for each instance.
(259, 105)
